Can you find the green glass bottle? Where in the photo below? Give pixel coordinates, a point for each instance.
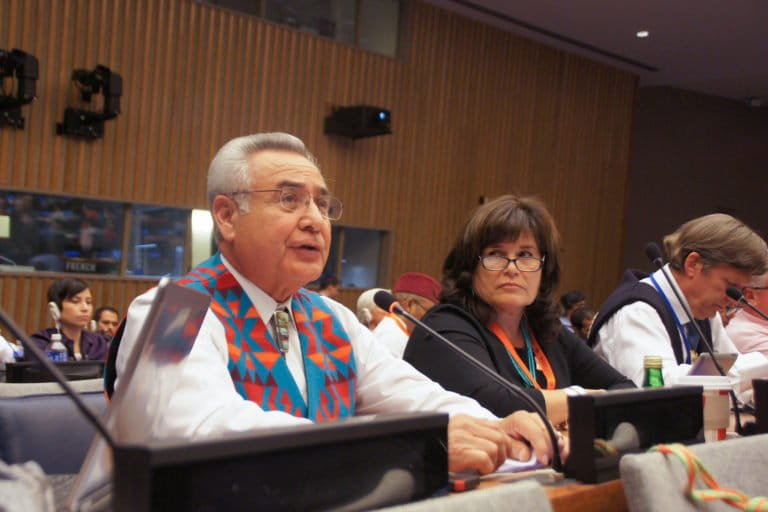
(653, 376)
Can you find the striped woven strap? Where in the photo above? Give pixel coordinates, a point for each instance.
(713, 491)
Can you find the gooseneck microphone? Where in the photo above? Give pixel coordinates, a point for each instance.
(735, 294)
(387, 302)
(57, 375)
(654, 254)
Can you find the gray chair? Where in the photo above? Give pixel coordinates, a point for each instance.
(526, 495)
(46, 428)
(653, 481)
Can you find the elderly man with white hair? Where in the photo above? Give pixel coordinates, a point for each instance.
(368, 312)
(272, 353)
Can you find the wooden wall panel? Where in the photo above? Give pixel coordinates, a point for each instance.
(476, 112)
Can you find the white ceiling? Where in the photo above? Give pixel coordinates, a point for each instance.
(715, 47)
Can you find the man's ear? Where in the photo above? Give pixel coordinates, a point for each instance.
(225, 213)
(693, 264)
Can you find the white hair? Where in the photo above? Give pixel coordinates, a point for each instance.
(365, 305)
(229, 171)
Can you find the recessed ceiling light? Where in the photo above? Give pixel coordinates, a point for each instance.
(643, 33)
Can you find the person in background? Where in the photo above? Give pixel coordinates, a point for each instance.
(581, 319)
(643, 316)
(496, 304)
(7, 352)
(747, 329)
(329, 287)
(71, 306)
(107, 320)
(271, 353)
(570, 302)
(368, 312)
(416, 293)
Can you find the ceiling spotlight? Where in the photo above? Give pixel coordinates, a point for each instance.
(642, 33)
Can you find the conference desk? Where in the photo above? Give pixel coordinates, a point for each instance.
(578, 497)
(572, 496)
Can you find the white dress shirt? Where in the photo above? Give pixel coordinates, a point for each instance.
(636, 331)
(206, 403)
(389, 334)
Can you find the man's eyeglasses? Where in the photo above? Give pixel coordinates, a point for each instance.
(291, 198)
(497, 263)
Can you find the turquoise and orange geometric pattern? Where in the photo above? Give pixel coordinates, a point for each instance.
(257, 367)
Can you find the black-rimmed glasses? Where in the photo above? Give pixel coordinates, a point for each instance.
(497, 263)
(291, 198)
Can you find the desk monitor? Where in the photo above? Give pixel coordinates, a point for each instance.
(605, 426)
(32, 371)
(704, 364)
(356, 464)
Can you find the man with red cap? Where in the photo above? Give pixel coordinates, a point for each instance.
(416, 293)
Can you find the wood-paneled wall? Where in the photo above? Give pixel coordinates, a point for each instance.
(476, 112)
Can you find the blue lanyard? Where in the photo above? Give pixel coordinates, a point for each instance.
(677, 321)
(529, 354)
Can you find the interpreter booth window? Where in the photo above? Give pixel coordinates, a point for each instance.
(357, 256)
(157, 243)
(369, 24)
(40, 232)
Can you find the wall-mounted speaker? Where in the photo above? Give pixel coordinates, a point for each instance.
(358, 121)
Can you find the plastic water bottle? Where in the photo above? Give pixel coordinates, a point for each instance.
(56, 350)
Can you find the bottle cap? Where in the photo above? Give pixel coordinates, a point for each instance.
(652, 362)
(55, 337)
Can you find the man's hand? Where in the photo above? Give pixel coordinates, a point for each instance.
(529, 433)
(474, 444)
(483, 445)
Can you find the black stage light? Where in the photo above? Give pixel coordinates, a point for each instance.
(87, 123)
(359, 121)
(24, 68)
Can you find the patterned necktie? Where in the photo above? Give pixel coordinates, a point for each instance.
(693, 336)
(281, 321)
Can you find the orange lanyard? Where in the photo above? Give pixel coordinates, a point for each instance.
(400, 323)
(541, 358)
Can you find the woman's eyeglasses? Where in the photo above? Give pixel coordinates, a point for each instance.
(497, 263)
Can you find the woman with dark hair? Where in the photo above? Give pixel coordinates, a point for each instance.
(71, 306)
(496, 304)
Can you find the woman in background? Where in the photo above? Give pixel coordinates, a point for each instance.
(71, 306)
(496, 304)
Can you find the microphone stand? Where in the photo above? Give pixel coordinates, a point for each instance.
(557, 464)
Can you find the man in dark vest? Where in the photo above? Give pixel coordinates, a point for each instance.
(272, 353)
(643, 315)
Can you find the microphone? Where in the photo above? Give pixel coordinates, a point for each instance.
(654, 254)
(735, 294)
(387, 302)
